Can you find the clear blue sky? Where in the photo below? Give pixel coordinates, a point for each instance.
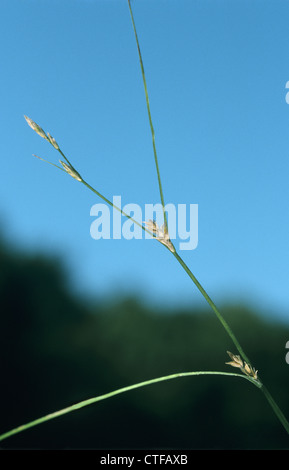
(216, 74)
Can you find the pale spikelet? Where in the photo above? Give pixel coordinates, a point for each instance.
(160, 233)
(152, 226)
(52, 141)
(71, 171)
(236, 361)
(35, 127)
(247, 369)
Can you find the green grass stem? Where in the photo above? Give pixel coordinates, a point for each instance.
(91, 401)
(270, 399)
(149, 116)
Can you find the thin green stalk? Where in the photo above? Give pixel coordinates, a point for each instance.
(114, 206)
(94, 190)
(91, 401)
(213, 306)
(264, 390)
(71, 170)
(271, 401)
(275, 407)
(188, 271)
(149, 116)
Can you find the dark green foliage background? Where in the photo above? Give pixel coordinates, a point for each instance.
(56, 350)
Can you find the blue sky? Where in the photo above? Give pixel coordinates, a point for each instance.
(216, 74)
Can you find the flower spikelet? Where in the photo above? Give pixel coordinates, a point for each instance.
(161, 234)
(52, 141)
(36, 128)
(71, 171)
(247, 369)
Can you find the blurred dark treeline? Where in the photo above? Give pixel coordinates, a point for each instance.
(56, 349)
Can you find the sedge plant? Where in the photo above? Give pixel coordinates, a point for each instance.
(238, 361)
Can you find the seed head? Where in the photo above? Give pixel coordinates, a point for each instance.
(236, 361)
(35, 127)
(52, 141)
(247, 369)
(71, 171)
(152, 226)
(161, 234)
